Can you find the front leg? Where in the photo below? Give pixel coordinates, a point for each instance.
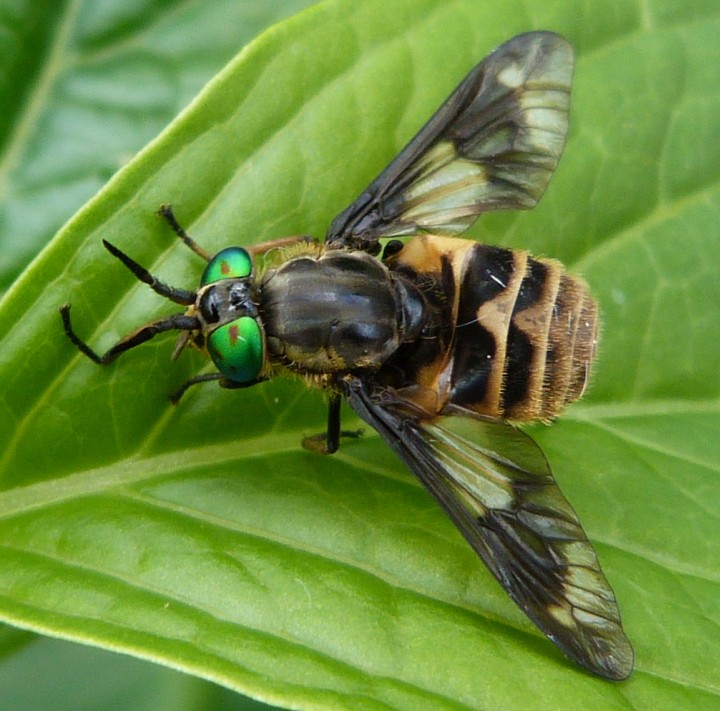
(329, 441)
(178, 322)
(208, 377)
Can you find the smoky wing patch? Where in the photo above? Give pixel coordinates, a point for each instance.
(495, 484)
(493, 145)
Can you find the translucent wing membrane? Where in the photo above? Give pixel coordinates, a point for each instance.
(493, 145)
(496, 486)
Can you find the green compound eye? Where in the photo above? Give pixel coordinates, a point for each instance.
(229, 263)
(237, 349)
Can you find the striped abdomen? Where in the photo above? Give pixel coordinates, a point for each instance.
(524, 331)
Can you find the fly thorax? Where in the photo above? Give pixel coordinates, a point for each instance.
(335, 312)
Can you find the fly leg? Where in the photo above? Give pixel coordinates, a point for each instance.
(166, 212)
(254, 250)
(328, 442)
(179, 322)
(261, 248)
(206, 378)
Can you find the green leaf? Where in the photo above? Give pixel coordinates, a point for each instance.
(51, 675)
(204, 538)
(84, 85)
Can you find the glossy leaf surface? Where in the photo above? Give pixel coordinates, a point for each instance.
(204, 538)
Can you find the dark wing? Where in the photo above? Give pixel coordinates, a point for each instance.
(493, 145)
(495, 484)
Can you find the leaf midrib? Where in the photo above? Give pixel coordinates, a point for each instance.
(135, 469)
(146, 468)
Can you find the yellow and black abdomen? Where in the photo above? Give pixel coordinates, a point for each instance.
(524, 330)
